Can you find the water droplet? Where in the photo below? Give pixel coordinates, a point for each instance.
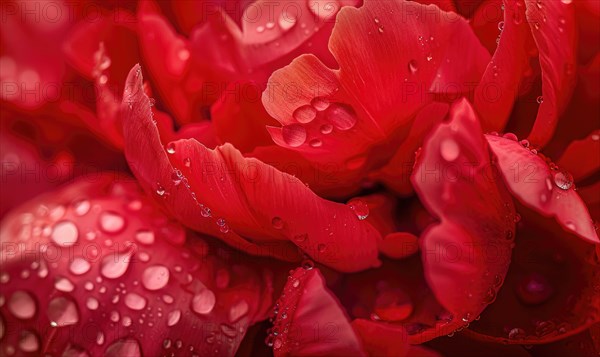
(260, 29)
(563, 180)
(501, 25)
(79, 266)
(510, 136)
(115, 265)
(360, 208)
(540, 99)
(467, 317)
(145, 236)
(125, 347)
(277, 222)
(62, 312)
(571, 226)
(326, 129)
(29, 342)
(81, 208)
(566, 2)
(287, 21)
(171, 148)
(534, 289)
(449, 149)
(64, 284)
(173, 317)
(22, 305)
(393, 305)
(293, 135)
(187, 162)
(238, 310)
(135, 301)
(111, 222)
(92, 303)
(155, 277)
(315, 143)
(114, 316)
(305, 114)
(490, 296)
(319, 103)
(341, 116)
(429, 57)
(308, 264)
(203, 302)
(516, 334)
(65, 234)
(413, 66)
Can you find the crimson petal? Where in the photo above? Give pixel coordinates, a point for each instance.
(97, 267)
(579, 157)
(542, 186)
(467, 254)
(219, 192)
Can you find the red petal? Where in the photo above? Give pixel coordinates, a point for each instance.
(499, 86)
(553, 26)
(476, 216)
(536, 303)
(220, 192)
(581, 158)
(548, 191)
(96, 264)
(306, 304)
(359, 114)
(382, 339)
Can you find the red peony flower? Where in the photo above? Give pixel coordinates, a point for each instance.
(302, 177)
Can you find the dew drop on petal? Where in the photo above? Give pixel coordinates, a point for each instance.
(360, 208)
(124, 348)
(540, 100)
(79, 266)
(171, 148)
(111, 222)
(563, 180)
(293, 135)
(62, 312)
(115, 265)
(29, 342)
(81, 207)
(341, 116)
(510, 136)
(203, 302)
(305, 114)
(315, 143)
(63, 284)
(173, 317)
(135, 301)
(277, 222)
(238, 310)
(319, 103)
(22, 305)
(516, 333)
(155, 277)
(326, 129)
(65, 234)
(449, 149)
(145, 236)
(287, 21)
(92, 303)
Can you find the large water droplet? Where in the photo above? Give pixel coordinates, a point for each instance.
(79, 266)
(92, 303)
(145, 236)
(124, 348)
(360, 208)
(203, 302)
(135, 301)
(65, 233)
(319, 103)
(115, 265)
(62, 312)
(305, 114)
(22, 305)
(341, 116)
(112, 222)
(64, 284)
(29, 342)
(155, 277)
(563, 180)
(238, 310)
(173, 317)
(449, 149)
(293, 135)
